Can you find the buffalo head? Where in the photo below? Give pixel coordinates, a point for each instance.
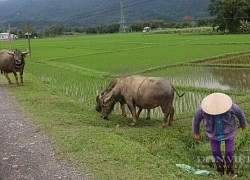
(107, 103)
(98, 106)
(18, 56)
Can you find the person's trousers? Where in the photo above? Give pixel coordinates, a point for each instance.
(229, 150)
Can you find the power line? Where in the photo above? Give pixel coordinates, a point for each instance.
(216, 18)
(115, 9)
(83, 16)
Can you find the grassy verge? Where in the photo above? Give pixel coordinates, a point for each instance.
(108, 149)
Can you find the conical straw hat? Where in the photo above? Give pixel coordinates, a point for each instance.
(216, 103)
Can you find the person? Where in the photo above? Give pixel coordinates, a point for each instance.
(218, 113)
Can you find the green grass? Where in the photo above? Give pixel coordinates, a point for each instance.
(118, 56)
(64, 74)
(109, 151)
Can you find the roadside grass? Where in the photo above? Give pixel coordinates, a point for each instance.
(113, 149)
(109, 149)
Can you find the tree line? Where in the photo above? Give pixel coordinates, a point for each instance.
(231, 16)
(57, 30)
(227, 16)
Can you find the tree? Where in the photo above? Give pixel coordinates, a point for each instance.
(213, 7)
(229, 13)
(54, 30)
(244, 27)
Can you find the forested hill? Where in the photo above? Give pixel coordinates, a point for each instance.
(98, 12)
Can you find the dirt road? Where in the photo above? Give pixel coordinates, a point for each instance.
(25, 153)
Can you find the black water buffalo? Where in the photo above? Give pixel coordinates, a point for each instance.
(143, 92)
(12, 61)
(122, 102)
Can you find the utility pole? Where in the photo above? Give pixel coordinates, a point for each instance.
(122, 21)
(28, 33)
(9, 37)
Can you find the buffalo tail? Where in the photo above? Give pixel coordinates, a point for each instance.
(177, 92)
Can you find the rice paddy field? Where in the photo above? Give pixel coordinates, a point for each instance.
(63, 75)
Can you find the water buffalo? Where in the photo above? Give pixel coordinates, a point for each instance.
(12, 61)
(143, 92)
(121, 101)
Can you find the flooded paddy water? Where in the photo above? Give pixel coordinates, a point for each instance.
(196, 79)
(218, 74)
(224, 78)
(215, 78)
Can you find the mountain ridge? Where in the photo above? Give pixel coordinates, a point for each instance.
(99, 12)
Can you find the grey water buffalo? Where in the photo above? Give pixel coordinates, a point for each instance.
(143, 92)
(12, 62)
(122, 102)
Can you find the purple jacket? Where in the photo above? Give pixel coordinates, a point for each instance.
(219, 127)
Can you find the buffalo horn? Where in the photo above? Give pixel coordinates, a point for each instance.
(10, 52)
(26, 52)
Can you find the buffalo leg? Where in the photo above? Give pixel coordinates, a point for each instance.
(21, 78)
(124, 113)
(171, 110)
(133, 112)
(138, 112)
(7, 77)
(16, 77)
(148, 114)
(165, 120)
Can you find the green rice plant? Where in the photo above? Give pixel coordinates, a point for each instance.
(197, 30)
(77, 83)
(64, 75)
